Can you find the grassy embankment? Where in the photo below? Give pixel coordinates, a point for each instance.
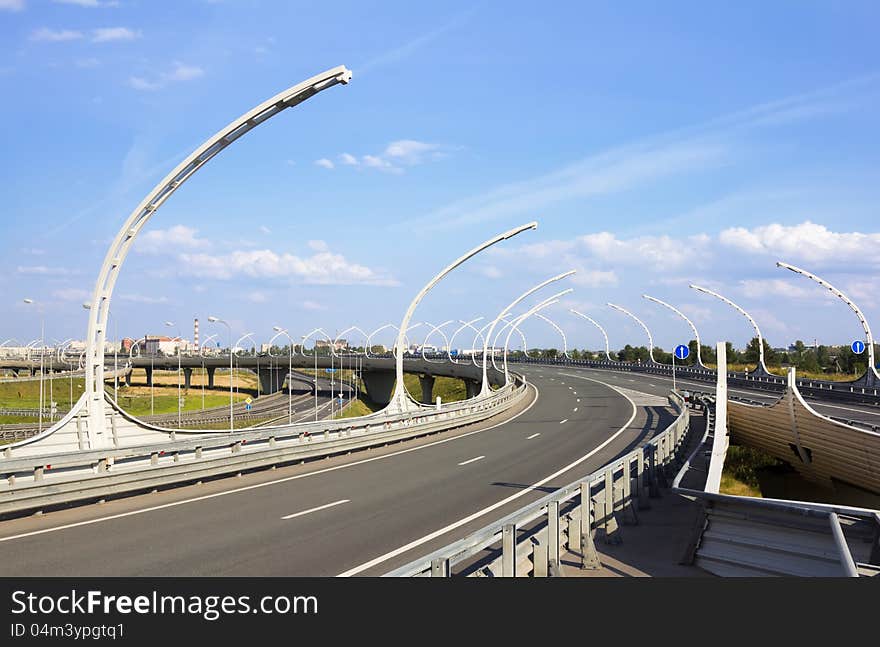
(448, 388)
(803, 375)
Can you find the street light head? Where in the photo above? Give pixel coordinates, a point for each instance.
(28, 300)
(169, 323)
(277, 328)
(87, 306)
(213, 319)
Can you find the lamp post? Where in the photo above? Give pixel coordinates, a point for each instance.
(761, 365)
(642, 324)
(519, 320)
(400, 400)
(171, 324)
(214, 319)
(601, 329)
(437, 328)
(689, 322)
(282, 331)
(464, 324)
(484, 389)
(869, 339)
(559, 330)
(204, 372)
(42, 343)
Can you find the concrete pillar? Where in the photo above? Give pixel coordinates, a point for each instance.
(472, 388)
(128, 378)
(427, 384)
(380, 385)
(187, 377)
(271, 379)
(211, 370)
(149, 372)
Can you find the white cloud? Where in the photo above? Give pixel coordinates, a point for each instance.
(179, 72)
(265, 229)
(318, 245)
(183, 72)
(594, 278)
(313, 305)
(348, 159)
(72, 294)
(169, 241)
(864, 291)
(807, 241)
(43, 270)
(11, 5)
(324, 163)
(44, 34)
(491, 272)
(89, 4)
(774, 288)
(110, 34)
(322, 268)
(257, 297)
(140, 298)
(410, 151)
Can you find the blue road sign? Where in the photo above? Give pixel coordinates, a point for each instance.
(330, 370)
(247, 407)
(858, 347)
(682, 351)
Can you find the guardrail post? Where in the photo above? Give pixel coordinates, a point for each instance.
(629, 481)
(154, 458)
(508, 551)
(642, 481)
(553, 531)
(589, 556)
(102, 465)
(612, 530)
(79, 432)
(198, 452)
(272, 441)
(440, 567)
(113, 430)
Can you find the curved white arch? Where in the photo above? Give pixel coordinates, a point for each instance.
(522, 336)
(869, 338)
(302, 348)
(507, 325)
(601, 329)
(203, 344)
(434, 329)
(761, 365)
(521, 319)
(349, 329)
(119, 249)
(464, 324)
(642, 324)
(689, 322)
(559, 330)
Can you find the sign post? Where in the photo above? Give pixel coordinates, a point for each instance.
(681, 352)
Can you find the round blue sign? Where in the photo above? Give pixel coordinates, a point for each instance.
(858, 347)
(682, 351)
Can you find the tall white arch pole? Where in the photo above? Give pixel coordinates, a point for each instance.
(100, 305)
(464, 324)
(642, 324)
(326, 336)
(869, 339)
(437, 328)
(521, 319)
(400, 400)
(558, 329)
(378, 330)
(347, 330)
(690, 323)
(484, 389)
(601, 329)
(761, 365)
(507, 325)
(521, 334)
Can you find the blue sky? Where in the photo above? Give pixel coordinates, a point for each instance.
(657, 144)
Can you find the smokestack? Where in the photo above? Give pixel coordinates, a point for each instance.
(196, 334)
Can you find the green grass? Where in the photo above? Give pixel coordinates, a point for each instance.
(804, 375)
(356, 409)
(224, 426)
(742, 468)
(26, 394)
(165, 401)
(449, 389)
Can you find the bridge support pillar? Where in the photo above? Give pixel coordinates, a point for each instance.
(149, 371)
(379, 385)
(472, 388)
(187, 377)
(211, 370)
(271, 379)
(128, 378)
(427, 384)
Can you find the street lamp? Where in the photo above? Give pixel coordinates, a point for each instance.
(213, 319)
(282, 331)
(171, 324)
(559, 330)
(400, 400)
(601, 329)
(521, 319)
(690, 323)
(437, 328)
(204, 372)
(642, 324)
(42, 343)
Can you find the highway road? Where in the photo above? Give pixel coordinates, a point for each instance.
(357, 515)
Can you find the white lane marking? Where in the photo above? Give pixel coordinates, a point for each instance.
(320, 507)
(578, 400)
(575, 409)
(534, 436)
(267, 483)
(495, 506)
(562, 422)
(472, 460)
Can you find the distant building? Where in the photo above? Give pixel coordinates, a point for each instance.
(160, 344)
(340, 344)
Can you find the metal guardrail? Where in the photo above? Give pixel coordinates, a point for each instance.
(745, 536)
(38, 481)
(529, 540)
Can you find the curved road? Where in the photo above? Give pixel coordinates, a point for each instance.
(361, 514)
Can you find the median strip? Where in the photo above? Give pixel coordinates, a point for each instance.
(320, 507)
(478, 458)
